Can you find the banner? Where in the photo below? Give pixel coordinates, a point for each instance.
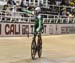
(13, 29)
(23, 29)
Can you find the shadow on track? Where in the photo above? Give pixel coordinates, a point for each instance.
(37, 60)
(48, 60)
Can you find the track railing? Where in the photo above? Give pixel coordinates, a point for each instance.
(8, 16)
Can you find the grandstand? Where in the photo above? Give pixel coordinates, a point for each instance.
(54, 14)
(49, 12)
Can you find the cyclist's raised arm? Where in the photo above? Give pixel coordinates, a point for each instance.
(27, 11)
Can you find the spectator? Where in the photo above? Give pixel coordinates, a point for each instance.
(40, 4)
(17, 3)
(11, 2)
(58, 2)
(18, 6)
(53, 2)
(72, 3)
(5, 11)
(65, 2)
(71, 15)
(5, 7)
(64, 12)
(23, 3)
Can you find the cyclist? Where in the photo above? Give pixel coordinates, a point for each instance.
(38, 19)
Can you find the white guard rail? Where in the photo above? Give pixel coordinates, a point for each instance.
(19, 17)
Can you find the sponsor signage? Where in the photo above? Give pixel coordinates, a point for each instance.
(23, 29)
(13, 29)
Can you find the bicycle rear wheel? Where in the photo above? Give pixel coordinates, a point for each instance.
(39, 46)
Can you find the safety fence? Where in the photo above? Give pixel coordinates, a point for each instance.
(47, 18)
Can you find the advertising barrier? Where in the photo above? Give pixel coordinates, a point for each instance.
(22, 29)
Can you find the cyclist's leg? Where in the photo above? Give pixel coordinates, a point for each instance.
(39, 37)
(35, 32)
(39, 45)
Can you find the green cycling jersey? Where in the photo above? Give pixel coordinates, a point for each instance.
(38, 20)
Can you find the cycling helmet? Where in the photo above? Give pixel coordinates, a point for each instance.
(38, 9)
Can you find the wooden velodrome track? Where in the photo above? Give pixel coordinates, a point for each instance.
(56, 49)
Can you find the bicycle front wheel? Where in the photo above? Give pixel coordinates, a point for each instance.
(33, 49)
